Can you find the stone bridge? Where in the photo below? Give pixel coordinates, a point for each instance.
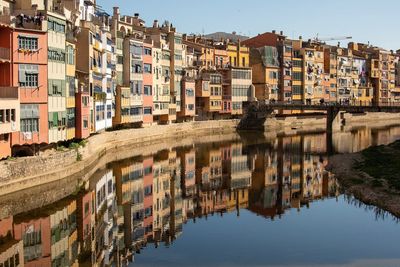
(257, 112)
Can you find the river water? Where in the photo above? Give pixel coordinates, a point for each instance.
(258, 200)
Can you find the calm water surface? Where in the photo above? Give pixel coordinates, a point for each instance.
(255, 201)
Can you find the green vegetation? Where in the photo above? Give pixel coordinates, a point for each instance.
(383, 164)
(78, 156)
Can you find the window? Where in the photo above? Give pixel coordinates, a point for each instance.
(147, 90)
(241, 74)
(147, 68)
(297, 90)
(237, 105)
(55, 26)
(120, 59)
(85, 101)
(148, 190)
(136, 67)
(71, 85)
(147, 111)
(58, 119)
(215, 79)
(13, 115)
(147, 51)
(243, 62)
(241, 90)
(2, 118)
(28, 75)
(191, 107)
(189, 92)
(136, 49)
(136, 87)
(57, 87)
(70, 55)
(29, 125)
(109, 111)
(28, 43)
(178, 40)
(56, 55)
(297, 64)
(297, 76)
(71, 117)
(85, 123)
(100, 113)
(135, 111)
(273, 75)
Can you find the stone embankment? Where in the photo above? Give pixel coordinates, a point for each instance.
(22, 173)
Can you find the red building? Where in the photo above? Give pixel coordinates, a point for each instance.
(9, 95)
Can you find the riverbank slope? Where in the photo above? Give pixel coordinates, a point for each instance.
(372, 176)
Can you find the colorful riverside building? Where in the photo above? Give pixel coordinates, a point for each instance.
(95, 66)
(169, 49)
(49, 238)
(237, 78)
(382, 71)
(127, 33)
(280, 59)
(26, 69)
(9, 95)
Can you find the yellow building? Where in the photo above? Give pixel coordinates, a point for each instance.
(238, 55)
(71, 89)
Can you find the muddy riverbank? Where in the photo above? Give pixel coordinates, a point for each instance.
(372, 176)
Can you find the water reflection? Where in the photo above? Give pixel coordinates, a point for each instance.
(141, 201)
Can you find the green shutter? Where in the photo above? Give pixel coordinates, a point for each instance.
(55, 119)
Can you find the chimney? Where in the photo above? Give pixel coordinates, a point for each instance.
(273, 31)
(155, 24)
(300, 37)
(116, 11)
(281, 32)
(136, 15)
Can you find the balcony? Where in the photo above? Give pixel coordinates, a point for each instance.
(4, 54)
(18, 20)
(9, 109)
(9, 93)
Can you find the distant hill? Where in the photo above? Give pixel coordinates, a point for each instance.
(217, 36)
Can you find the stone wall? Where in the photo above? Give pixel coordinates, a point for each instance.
(22, 173)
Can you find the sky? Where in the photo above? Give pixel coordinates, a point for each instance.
(366, 21)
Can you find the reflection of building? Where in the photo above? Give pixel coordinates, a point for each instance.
(50, 238)
(11, 250)
(148, 199)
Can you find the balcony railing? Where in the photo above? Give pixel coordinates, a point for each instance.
(9, 93)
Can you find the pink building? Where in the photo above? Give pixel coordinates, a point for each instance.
(84, 219)
(188, 98)
(36, 233)
(147, 83)
(82, 102)
(148, 196)
(29, 73)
